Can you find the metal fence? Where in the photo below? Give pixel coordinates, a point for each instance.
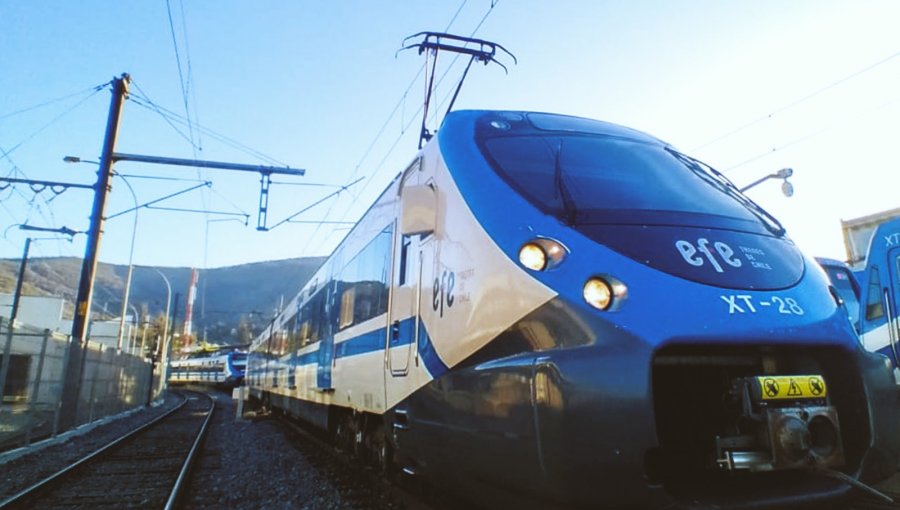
(32, 365)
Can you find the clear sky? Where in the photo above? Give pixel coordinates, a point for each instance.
(749, 87)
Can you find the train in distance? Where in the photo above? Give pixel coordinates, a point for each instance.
(223, 367)
(878, 318)
(552, 311)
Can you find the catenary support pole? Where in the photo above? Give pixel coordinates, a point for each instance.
(75, 365)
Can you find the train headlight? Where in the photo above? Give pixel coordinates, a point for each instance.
(542, 254)
(604, 292)
(598, 293)
(533, 257)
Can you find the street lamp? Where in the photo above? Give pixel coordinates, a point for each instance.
(786, 187)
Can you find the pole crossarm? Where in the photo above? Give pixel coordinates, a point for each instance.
(61, 230)
(265, 172)
(221, 165)
(53, 185)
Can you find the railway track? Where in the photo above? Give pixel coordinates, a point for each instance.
(146, 468)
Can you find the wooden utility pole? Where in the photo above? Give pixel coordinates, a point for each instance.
(75, 362)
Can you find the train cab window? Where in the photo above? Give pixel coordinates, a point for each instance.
(584, 177)
(874, 298)
(846, 286)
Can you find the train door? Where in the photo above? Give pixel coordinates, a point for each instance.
(892, 294)
(404, 306)
(411, 253)
(326, 335)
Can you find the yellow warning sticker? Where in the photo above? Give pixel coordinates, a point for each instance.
(792, 387)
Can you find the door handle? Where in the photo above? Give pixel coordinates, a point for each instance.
(892, 333)
(395, 331)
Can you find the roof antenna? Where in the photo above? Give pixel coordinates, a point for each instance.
(433, 43)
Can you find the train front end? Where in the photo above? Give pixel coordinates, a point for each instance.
(690, 352)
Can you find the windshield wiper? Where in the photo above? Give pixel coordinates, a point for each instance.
(722, 183)
(569, 210)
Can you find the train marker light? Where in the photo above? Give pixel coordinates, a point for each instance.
(598, 293)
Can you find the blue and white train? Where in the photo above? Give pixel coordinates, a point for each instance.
(215, 368)
(553, 311)
(879, 314)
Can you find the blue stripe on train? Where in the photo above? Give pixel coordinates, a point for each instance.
(373, 341)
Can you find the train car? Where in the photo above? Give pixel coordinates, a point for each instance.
(845, 284)
(880, 282)
(216, 368)
(551, 311)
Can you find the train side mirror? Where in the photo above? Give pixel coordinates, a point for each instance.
(418, 205)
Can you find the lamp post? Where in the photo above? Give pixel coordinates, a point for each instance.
(132, 340)
(786, 187)
(130, 266)
(164, 355)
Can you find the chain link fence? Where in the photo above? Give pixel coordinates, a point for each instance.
(32, 366)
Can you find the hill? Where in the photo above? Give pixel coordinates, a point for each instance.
(228, 298)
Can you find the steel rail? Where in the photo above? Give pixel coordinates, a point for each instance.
(32, 490)
(189, 461)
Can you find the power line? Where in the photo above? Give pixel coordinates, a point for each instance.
(797, 102)
(150, 105)
(403, 128)
(181, 83)
(817, 132)
(169, 115)
(54, 120)
(185, 85)
(55, 100)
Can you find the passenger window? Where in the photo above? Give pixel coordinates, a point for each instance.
(404, 254)
(348, 298)
(874, 298)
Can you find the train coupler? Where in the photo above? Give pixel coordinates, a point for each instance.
(780, 422)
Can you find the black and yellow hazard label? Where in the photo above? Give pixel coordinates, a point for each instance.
(792, 387)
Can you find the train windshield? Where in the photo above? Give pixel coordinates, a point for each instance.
(844, 282)
(590, 178)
